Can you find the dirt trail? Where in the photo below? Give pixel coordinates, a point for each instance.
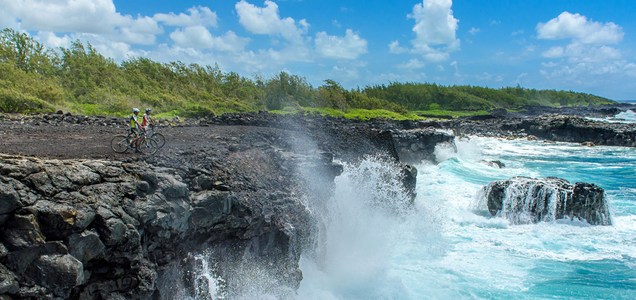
(93, 141)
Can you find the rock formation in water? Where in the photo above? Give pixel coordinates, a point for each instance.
(529, 200)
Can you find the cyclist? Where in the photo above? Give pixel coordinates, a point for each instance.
(147, 119)
(135, 128)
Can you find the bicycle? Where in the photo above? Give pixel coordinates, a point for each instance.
(157, 136)
(121, 143)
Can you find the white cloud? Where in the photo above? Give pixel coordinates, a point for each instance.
(199, 15)
(197, 37)
(267, 21)
(229, 42)
(395, 48)
(580, 29)
(577, 52)
(553, 52)
(435, 28)
(81, 16)
(348, 47)
(473, 30)
(589, 50)
(142, 30)
(52, 40)
(98, 16)
(412, 64)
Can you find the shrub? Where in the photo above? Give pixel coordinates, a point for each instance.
(12, 101)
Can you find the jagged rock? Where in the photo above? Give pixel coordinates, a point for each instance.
(531, 200)
(8, 281)
(59, 273)
(85, 246)
(563, 128)
(209, 208)
(414, 146)
(409, 180)
(9, 198)
(494, 163)
(22, 231)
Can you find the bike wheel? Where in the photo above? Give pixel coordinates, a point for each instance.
(120, 143)
(148, 146)
(161, 140)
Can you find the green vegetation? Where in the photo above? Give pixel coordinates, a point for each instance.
(81, 80)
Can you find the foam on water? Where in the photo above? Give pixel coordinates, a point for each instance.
(628, 116)
(446, 249)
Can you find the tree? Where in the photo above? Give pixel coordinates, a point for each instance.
(332, 95)
(26, 53)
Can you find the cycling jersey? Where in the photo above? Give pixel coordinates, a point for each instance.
(145, 121)
(133, 121)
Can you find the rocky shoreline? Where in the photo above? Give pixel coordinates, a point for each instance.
(80, 222)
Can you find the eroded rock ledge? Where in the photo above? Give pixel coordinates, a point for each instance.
(93, 229)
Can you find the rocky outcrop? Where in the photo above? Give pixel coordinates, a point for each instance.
(562, 128)
(416, 145)
(129, 228)
(93, 229)
(529, 200)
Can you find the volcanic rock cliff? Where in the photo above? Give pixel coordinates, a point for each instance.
(129, 227)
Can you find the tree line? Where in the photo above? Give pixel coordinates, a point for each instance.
(34, 78)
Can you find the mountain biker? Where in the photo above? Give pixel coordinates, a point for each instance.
(135, 128)
(147, 119)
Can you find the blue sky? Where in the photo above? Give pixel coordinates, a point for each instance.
(583, 45)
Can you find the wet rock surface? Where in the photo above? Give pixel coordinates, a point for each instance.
(530, 200)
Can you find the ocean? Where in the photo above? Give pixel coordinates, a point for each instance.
(449, 247)
(374, 245)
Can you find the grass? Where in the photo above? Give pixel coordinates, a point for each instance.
(368, 114)
(449, 113)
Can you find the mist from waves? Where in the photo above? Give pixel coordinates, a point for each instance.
(628, 116)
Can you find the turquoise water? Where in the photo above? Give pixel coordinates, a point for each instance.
(449, 247)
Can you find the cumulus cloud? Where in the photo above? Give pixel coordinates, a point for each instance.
(413, 63)
(396, 48)
(553, 52)
(589, 48)
(98, 16)
(198, 37)
(142, 30)
(192, 37)
(199, 15)
(349, 46)
(580, 29)
(82, 17)
(52, 40)
(267, 21)
(435, 28)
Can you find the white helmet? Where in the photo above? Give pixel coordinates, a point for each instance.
(135, 109)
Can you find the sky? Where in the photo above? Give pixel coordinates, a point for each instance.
(579, 45)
